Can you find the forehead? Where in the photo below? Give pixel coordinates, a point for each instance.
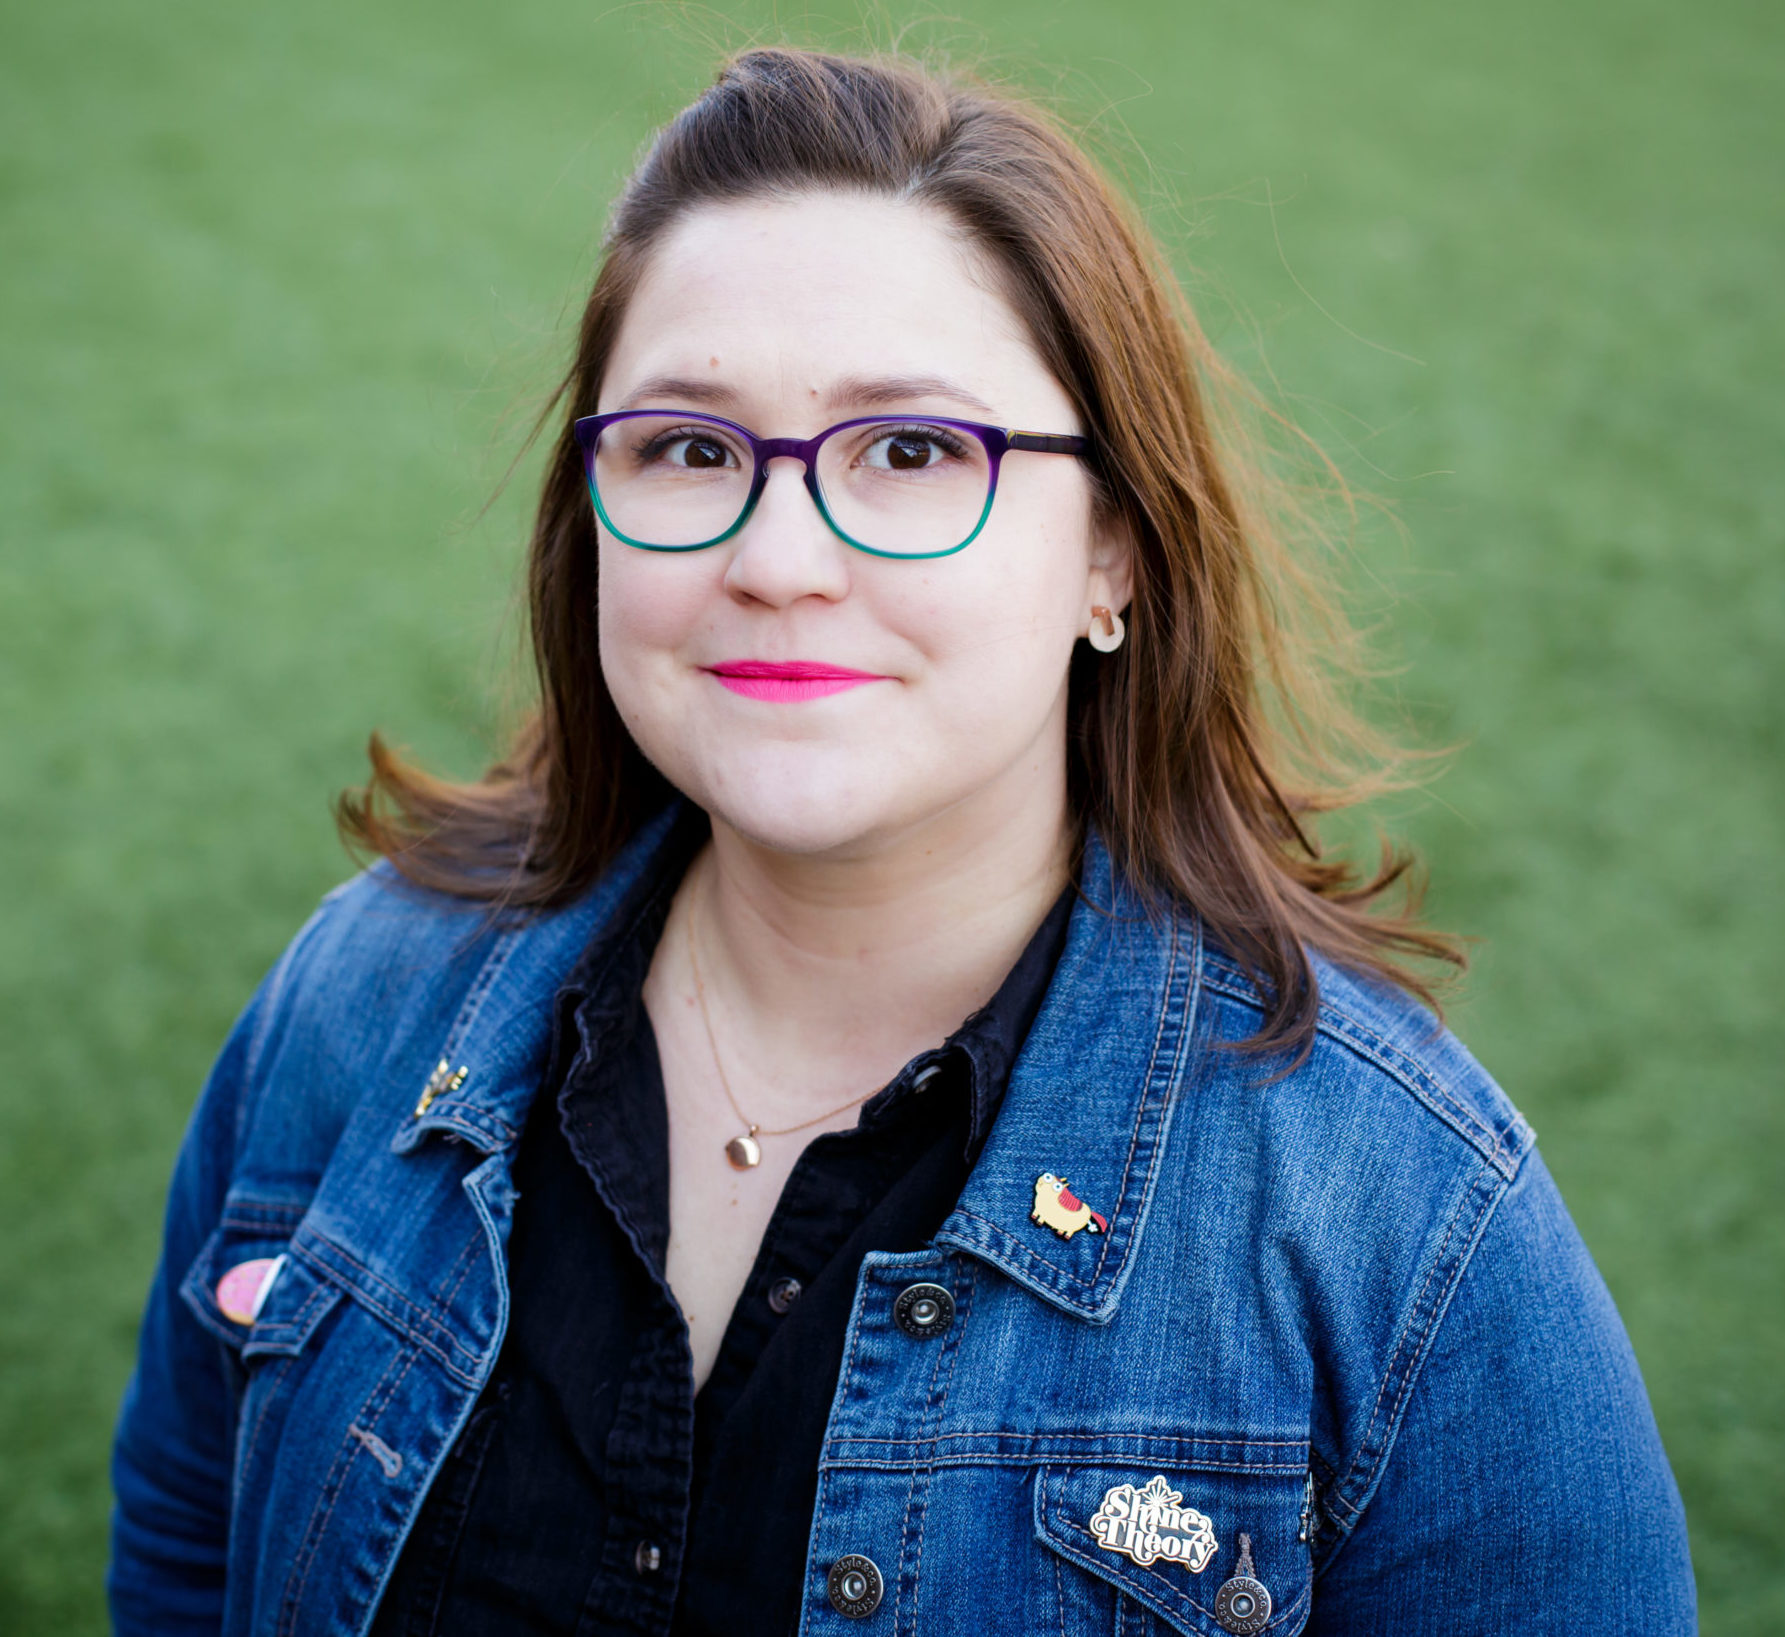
(794, 293)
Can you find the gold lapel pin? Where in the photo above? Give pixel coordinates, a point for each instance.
(444, 1079)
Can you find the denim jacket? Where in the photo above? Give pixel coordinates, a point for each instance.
(1339, 1316)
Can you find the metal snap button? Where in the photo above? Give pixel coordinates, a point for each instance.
(924, 1310)
(783, 1293)
(646, 1559)
(855, 1586)
(1243, 1605)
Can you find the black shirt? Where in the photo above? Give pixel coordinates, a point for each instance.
(592, 1490)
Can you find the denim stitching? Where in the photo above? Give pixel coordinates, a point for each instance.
(905, 1551)
(1298, 1444)
(1360, 1037)
(494, 965)
(1181, 1016)
(1415, 1356)
(807, 1589)
(1352, 1033)
(468, 1258)
(1400, 1347)
(1146, 1100)
(421, 1330)
(855, 1341)
(939, 1397)
(1170, 1593)
(293, 1332)
(253, 1215)
(1420, 1314)
(307, 1546)
(334, 1485)
(274, 1374)
(868, 1463)
(381, 1395)
(1028, 1256)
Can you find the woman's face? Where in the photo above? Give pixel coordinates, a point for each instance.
(788, 317)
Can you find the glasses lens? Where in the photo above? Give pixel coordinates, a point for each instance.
(905, 488)
(670, 480)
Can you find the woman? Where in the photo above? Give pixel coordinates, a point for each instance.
(876, 1110)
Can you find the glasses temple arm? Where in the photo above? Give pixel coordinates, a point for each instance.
(1049, 443)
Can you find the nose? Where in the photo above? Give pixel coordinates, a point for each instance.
(786, 550)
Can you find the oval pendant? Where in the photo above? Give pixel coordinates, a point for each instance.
(744, 1153)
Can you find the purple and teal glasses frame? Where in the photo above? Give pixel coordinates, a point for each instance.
(998, 441)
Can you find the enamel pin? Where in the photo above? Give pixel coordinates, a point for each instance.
(242, 1290)
(1152, 1523)
(1057, 1207)
(443, 1080)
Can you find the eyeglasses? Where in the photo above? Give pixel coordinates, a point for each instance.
(918, 486)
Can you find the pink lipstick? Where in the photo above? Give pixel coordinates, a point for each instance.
(788, 680)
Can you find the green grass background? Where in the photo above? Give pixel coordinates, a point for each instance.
(278, 284)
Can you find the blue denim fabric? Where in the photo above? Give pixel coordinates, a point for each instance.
(1342, 1311)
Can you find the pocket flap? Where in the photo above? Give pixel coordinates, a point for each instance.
(1171, 1540)
(298, 1300)
(290, 1306)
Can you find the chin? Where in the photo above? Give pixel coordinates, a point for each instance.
(807, 805)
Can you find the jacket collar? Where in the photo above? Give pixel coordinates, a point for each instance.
(494, 1055)
(1090, 1099)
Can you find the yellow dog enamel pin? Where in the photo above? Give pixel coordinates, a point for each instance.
(1057, 1207)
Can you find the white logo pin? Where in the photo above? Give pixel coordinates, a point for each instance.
(1152, 1523)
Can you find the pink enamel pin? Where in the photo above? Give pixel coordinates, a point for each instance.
(241, 1291)
(1057, 1207)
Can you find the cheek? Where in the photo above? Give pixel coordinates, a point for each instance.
(1006, 618)
(651, 603)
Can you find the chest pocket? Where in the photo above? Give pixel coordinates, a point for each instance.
(1170, 1541)
(248, 1291)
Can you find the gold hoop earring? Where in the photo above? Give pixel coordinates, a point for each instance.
(1109, 639)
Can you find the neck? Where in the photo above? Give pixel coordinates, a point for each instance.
(830, 973)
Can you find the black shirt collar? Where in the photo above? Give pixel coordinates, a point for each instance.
(604, 993)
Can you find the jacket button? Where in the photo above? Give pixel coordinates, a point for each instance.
(855, 1586)
(1243, 1605)
(923, 1311)
(646, 1559)
(783, 1293)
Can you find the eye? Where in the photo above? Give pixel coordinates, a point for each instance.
(911, 448)
(690, 449)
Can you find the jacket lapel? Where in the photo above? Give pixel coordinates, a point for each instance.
(1090, 1101)
(494, 1055)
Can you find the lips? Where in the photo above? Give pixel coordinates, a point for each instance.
(788, 681)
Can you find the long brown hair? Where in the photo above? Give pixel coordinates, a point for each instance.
(1199, 749)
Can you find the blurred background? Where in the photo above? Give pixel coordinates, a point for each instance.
(280, 286)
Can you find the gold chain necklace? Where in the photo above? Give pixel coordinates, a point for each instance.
(744, 1151)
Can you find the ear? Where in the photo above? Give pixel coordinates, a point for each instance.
(1110, 583)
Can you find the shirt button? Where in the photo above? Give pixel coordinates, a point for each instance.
(646, 1558)
(923, 1311)
(855, 1586)
(926, 1077)
(783, 1293)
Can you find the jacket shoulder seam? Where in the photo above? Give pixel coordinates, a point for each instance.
(1351, 1493)
(1505, 1152)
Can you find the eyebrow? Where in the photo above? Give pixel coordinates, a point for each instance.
(853, 391)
